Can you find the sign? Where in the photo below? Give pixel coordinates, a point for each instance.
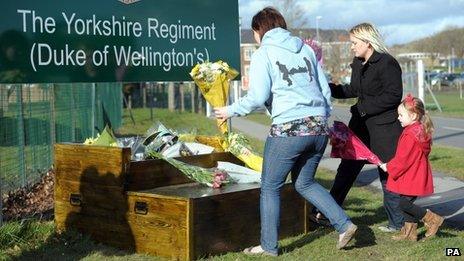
(52, 41)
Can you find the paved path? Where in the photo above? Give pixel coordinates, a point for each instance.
(448, 199)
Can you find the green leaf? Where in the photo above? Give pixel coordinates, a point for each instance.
(106, 138)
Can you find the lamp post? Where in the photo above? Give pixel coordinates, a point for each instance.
(317, 27)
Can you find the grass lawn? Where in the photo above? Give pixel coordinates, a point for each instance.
(36, 240)
(447, 160)
(450, 103)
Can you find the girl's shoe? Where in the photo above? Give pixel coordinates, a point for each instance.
(408, 232)
(432, 222)
(257, 250)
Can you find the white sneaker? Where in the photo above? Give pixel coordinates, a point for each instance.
(387, 229)
(257, 250)
(346, 236)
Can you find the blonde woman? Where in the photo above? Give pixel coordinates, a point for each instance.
(376, 82)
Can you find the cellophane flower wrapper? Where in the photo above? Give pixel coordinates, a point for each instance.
(213, 79)
(211, 177)
(346, 145)
(239, 146)
(105, 138)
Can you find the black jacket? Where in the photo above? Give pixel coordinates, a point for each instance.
(378, 86)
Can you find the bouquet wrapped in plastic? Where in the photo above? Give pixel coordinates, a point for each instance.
(235, 143)
(346, 145)
(317, 48)
(214, 178)
(213, 79)
(239, 146)
(105, 138)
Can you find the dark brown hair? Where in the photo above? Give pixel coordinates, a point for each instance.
(267, 19)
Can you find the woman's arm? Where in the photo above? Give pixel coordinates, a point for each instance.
(343, 91)
(259, 90)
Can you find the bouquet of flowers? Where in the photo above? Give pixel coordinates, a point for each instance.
(105, 138)
(346, 145)
(316, 48)
(240, 147)
(213, 81)
(214, 178)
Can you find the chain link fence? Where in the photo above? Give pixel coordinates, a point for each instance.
(35, 116)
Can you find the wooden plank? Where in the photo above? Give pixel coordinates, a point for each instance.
(170, 211)
(149, 174)
(190, 254)
(91, 194)
(107, 231)
(93, 164)
(94, 200)
(162, 230)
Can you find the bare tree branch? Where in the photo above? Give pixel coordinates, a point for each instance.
(293, 13)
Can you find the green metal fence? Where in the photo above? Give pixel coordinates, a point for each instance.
(35, 116)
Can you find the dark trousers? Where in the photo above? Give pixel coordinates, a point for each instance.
(347, 173)
(411, 212)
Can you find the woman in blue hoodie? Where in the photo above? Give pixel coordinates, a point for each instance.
(285, 76)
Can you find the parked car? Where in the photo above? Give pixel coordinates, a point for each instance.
(445, 79)
(459, 79)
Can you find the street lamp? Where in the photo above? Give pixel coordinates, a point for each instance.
(317, 27)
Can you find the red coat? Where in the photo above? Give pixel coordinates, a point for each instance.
(409, 172)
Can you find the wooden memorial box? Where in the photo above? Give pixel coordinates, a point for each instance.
(150, 207)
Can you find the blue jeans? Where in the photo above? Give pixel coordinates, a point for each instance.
(301, 156)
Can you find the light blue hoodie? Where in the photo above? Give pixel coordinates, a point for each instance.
(285, 71)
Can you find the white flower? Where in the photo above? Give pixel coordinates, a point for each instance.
(209, 71)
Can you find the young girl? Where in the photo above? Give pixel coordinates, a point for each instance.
(409, 172)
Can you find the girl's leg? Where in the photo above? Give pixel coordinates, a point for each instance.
(412, 212)
(391, 203)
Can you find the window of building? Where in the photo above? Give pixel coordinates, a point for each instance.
(246, 70)
(247, 54)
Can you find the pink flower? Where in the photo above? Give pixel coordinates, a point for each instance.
(316, 48)
(218, 179)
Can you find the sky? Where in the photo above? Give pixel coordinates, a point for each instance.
(400, 21)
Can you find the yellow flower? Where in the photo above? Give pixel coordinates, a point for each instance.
(213, 80)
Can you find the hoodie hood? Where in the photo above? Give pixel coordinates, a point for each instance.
(282, 38)
(424, 140)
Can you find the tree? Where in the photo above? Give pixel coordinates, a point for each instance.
(293, 13)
